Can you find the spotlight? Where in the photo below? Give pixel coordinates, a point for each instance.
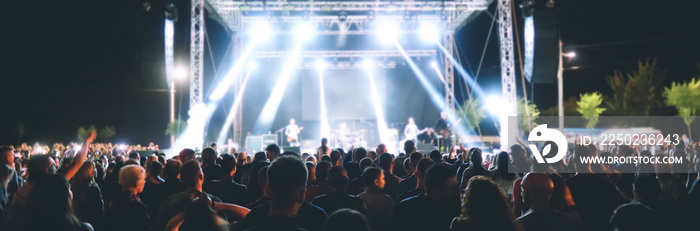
(305, 31)
(180, 73)
(170, 12)
(261, 31)
(252, 66)
(320, 64)
(343, 16)
(433, 64)
(368, 64)
(372, 16)
(388, 32)
(494, 105)
(429, 33)
(570, 54)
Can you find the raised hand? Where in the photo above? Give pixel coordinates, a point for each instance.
(91, 136)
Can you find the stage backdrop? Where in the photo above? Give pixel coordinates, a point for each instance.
(348, 94)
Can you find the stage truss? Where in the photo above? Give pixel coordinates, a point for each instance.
(334, 18)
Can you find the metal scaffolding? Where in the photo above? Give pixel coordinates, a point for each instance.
(505, 32)
(332, 18)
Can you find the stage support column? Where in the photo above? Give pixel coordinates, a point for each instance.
(505, 32)
(238, 119)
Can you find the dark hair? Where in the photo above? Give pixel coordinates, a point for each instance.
(212, 145)
(436, 177)
(647, 186)
(581, 151)
(369, 175)
(436, 156)
(311, 176)
(335, 156)
(424, 164)
(134, 155)
(322, 169)
(259, 156)
(49, 202)
(189, 153)
(365, 163)
(228, 163)
(385, 160)
(346, 220)
(294, 154)
(324, 140)
(517, 151)
(475, 157)
(172, 168)
(326, 158)
(273, 148)
(287, 178)
(359, 153)
(414, 158)
(209, 156)
(155, 169)
(337, 177)
(37, 166)
(189, 172)
(501, 166)
(485, 206)
(372, 154)
(199, 215)
(408, 146)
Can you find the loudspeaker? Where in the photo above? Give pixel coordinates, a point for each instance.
(269, 139)
(254, 144)
(292, 149)
(541, 36)
(425, 148)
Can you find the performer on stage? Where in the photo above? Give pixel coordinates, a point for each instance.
(445, 130)
(292, 131)
(411, 130)
(427, 136)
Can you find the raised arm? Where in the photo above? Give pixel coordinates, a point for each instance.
(80, 158)
(232, 208)
(175, 223)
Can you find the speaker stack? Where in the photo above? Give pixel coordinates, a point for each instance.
(541, 37)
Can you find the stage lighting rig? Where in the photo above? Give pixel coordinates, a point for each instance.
(343, 16)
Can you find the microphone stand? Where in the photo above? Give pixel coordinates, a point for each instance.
(280, 136)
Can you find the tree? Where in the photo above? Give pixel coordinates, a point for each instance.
(570, 106)
(637, 93)
(106, 133)
(472, 112)
(526, 123)
(82, 132)
(176, 127)
(589, 107)
(685, 97)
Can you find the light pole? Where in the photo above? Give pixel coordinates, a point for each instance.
(178, 74)
(560, 82)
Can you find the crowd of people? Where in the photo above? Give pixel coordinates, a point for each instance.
(335, 189)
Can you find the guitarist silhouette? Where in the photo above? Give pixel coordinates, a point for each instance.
(292, 131)
(445, 130)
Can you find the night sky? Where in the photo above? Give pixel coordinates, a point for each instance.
(79, 63)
